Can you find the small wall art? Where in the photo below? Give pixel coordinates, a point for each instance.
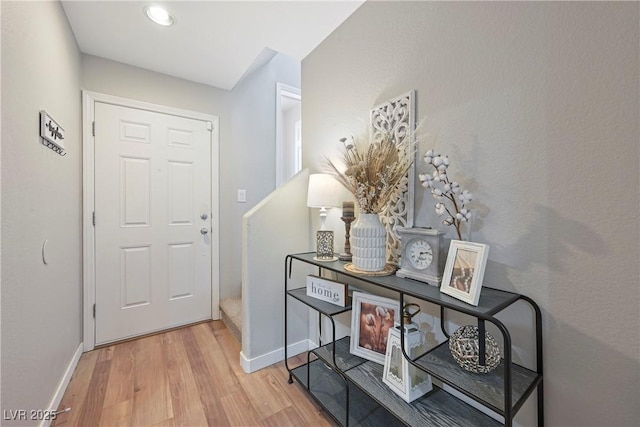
(52, 133)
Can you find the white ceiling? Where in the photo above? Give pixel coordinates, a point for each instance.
(212, 42)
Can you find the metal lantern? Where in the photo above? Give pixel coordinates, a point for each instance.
(464, 347)
(403, 378)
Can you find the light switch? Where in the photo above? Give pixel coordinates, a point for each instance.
(242, 196)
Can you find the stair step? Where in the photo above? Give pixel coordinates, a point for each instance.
(231, 313)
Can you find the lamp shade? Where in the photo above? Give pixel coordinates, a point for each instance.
(324, 191)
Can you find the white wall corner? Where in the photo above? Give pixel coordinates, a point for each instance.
(276, 226)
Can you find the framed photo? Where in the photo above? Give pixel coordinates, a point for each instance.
(464, 270)
(371, 318)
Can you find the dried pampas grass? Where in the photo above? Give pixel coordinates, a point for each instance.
(373, 169)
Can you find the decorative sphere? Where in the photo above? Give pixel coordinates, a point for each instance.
(463, 345)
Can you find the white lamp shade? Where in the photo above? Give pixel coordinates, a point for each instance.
(324, 191)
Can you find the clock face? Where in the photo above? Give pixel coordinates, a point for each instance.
(420, 254)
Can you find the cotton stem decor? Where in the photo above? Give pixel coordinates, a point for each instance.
(451, 199)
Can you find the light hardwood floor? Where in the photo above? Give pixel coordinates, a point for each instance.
(184, 377)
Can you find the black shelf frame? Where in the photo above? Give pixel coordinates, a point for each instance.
(494, 390)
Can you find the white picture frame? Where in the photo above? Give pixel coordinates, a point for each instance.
(464, 271)
(371, 318)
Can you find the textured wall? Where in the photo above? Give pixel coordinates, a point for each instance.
(537, 106)
(41, 200)
(118, 79)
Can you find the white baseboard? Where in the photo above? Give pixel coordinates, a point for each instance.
(62, 387)
(275, 356)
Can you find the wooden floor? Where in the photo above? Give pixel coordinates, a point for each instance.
(185, 377)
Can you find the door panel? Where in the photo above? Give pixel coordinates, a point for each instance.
(152, 183)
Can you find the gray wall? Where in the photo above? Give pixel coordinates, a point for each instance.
(41, 200)
(118, 79)
(537, 106)
(248, 161)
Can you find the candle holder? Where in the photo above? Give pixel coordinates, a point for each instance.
(324, 245)
(346, 255)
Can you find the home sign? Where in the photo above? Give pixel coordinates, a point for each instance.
(327, 290)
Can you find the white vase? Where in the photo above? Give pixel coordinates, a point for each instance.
(369, 243)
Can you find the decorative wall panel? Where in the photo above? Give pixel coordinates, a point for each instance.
(397, 117)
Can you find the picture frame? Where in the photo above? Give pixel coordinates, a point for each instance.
(464, 271)
(371, 318)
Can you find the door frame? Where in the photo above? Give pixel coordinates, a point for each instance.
(88, 202)
(289, 92)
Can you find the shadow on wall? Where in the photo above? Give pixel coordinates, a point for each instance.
(568, 235)
(597, 364)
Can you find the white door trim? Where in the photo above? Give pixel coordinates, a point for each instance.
(291, 92)
(88, 204)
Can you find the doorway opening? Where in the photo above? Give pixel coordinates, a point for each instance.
(288, 132)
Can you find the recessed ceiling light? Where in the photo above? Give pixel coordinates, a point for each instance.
(159, 15)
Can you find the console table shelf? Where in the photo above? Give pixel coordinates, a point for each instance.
(485, 388)
(351, 389)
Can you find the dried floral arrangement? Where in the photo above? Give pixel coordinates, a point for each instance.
(374, 169)
(451, 198)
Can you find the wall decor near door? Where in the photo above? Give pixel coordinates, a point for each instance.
(396, 117)
(51, 133)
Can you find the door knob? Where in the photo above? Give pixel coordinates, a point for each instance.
(204, 230)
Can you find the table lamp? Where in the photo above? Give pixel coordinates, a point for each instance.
(324, 192)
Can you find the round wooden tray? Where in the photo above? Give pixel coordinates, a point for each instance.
(388, 270)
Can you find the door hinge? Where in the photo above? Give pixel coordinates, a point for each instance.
(94, 311)
(93, 128)
(209, 126)
(94, 218)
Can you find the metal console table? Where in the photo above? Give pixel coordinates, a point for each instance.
(351, 390)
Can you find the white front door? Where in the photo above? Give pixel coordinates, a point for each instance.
(153, 221)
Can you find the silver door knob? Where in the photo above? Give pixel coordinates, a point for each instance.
(204, 230)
